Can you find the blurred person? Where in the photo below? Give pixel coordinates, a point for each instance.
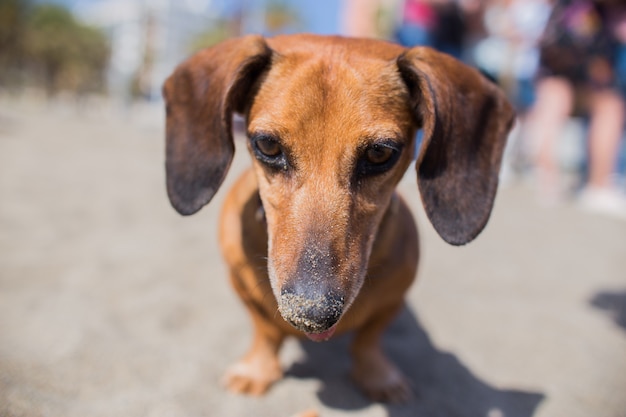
(417, 23)
(618, 15)
(435, 23)
(576, 71)
(475, 31)
(450, 30)
(359, 18)
(509, 54)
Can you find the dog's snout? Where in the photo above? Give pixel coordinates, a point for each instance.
(309, 301)
(311, 314)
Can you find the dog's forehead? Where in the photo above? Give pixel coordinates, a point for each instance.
(314, 44)
(337, 87)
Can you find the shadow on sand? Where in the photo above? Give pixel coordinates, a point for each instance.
(614, 304)
(443, 386)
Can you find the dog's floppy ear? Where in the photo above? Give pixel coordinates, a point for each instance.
(465, 119)
(201, 96)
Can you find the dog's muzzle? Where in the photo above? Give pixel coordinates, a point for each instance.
(311, 315)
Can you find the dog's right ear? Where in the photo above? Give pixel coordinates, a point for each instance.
(201, 96)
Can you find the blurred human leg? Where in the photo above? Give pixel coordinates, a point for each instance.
(359, 18)
(554, 102)
(605, 134)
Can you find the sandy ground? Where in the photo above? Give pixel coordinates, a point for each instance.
(113, 305)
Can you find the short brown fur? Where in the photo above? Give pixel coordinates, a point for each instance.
(321, 244)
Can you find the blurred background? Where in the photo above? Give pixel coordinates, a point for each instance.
(562, 63)
(112, 304)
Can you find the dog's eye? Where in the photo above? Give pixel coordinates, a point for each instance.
(378, 154)
(268, 146)
(269, 151)
(378, 158)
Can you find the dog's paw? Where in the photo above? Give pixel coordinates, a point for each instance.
(381, 381)
(395, 391)
(251, 377)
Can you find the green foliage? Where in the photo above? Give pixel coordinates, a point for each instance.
(47, 42)
(68, 54)
(220, 31)
(13, 16)
(278, 16)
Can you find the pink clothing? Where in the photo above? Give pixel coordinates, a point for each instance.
(420, 13)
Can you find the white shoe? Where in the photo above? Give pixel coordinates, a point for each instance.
(604, 201)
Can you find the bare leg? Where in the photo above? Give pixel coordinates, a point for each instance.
(605, 133)
(372, 371)
(555, 100)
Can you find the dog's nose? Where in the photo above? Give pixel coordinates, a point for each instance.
(308, 314)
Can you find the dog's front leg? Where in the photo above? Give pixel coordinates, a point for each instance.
(258, 369)
(379, 379)
(243, 240)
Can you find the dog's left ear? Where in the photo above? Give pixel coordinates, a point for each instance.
(201, 96)
(465, 119)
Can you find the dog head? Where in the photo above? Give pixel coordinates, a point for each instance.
(331, 124)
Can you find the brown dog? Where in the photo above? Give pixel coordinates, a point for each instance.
(315, 231)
